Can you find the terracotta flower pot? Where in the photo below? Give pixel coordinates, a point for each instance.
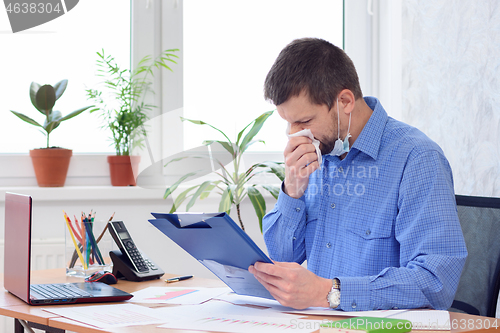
(51, 165)
(123, 169)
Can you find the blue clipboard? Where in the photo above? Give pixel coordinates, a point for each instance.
(219, 244)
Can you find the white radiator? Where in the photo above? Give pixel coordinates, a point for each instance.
(45, 254)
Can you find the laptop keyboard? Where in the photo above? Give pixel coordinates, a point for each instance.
(62, 290)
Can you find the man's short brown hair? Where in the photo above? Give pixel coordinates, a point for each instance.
(320, 68)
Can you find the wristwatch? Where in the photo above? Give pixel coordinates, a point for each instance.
(333, 296)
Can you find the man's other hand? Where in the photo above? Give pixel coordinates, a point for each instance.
(301, 161)
(292, 285)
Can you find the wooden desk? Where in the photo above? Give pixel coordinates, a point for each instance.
(13, 307)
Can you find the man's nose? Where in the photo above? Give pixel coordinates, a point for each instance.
(294, 128)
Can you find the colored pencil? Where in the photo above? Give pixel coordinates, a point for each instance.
(76, 246)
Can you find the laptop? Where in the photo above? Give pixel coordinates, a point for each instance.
(17, 264)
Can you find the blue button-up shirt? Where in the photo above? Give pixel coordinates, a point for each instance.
(383, 221)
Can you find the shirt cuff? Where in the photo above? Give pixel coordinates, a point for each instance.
(291, 208)
(355, 293)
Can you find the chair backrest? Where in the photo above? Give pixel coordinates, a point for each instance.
(479, 284)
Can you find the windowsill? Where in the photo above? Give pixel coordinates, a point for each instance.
(71, 193)
(88, 171)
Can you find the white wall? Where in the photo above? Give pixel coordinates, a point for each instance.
(451, 85)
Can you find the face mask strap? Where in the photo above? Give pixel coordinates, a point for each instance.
(338, 120)
(349, 127)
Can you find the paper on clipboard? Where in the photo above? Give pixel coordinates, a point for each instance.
(219, 244)
(241, 281)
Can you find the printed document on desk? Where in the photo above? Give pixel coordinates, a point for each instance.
(217, 316)
(177, 295)
(219, 244)
(111, 315)
(435, 320)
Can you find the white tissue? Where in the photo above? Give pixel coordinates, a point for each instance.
(307, 133)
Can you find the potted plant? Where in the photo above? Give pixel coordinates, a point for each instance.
(124, 112)
(233, 185)
(50, 163)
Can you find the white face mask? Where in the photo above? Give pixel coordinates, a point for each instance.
(340, 147)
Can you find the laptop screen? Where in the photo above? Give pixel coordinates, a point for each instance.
(17, 252)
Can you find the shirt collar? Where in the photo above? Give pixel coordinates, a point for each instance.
(370, 137)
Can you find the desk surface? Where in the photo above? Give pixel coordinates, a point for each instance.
(12, 306)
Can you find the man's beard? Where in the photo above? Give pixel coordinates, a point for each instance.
(327, 146)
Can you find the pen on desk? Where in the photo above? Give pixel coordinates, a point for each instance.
(179, 278)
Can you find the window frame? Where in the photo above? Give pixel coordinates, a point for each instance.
(372, 41)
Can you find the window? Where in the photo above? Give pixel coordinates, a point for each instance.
(64, 48)
(228, 48)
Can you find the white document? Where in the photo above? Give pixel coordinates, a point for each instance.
(241, 280)
(420, 319)
(226, 317)
(334, 312)
(234, 298)
(176, 295)
(111, 315)
(426, 319)
(215, 307)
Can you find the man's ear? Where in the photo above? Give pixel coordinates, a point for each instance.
(346, 101)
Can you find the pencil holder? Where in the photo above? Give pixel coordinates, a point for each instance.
(87, 246)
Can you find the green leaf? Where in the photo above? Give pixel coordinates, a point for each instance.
(144, 60)
(172, 188)
(52, 122)
(255, 141)
(182, 158)
(50, 126)
(180, 198)
(34, 87)
(55, 116)
(241, 133)
(258, 202)
(274, 190)
(26, 118)
(75, 113)
(165, 66)
(276, 168)
(46, 98)
(226, 201)
(60, 87)
(209, 189)
(227, 146)
(198, 192)
(199, 122)
(257, 125)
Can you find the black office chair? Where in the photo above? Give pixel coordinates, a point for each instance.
(479, 284)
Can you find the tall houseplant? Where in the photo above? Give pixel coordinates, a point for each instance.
(120, 102)
(50, 163)
(234, 184)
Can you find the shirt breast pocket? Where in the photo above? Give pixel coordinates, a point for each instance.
(377, 229)
(371, 245)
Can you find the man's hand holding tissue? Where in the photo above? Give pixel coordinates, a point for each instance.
(301, 160)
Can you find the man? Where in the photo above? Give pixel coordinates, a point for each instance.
(377, 220)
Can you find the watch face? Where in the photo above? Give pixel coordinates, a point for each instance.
(334, 298)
